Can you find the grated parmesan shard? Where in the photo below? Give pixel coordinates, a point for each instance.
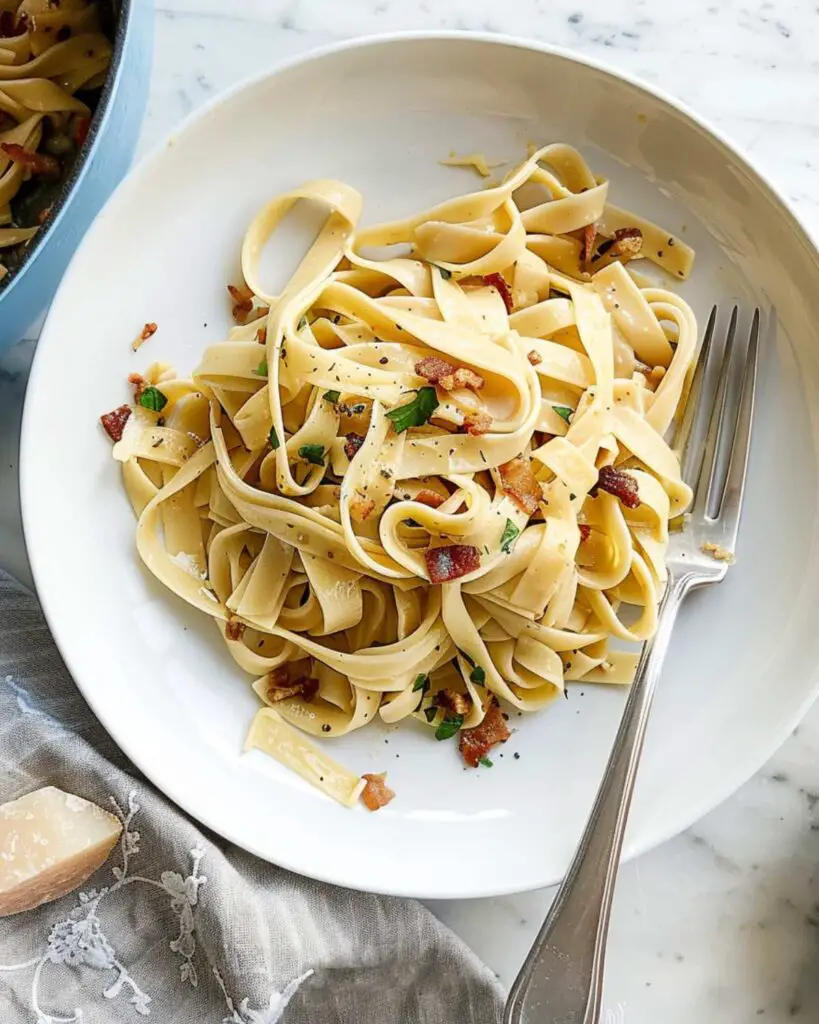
(50, 843)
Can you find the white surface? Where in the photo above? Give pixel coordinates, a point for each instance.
(720, 923)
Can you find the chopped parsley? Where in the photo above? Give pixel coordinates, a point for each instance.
(485, 762)
(273, 438)
(430, 713)
(477, 676)
(450, 725)
(509, 536)
(421, 682)
(313, 453)
(153, 399)
(261, 369)
(414, 413)
(564, 412)
(302, 323)
(331, 396)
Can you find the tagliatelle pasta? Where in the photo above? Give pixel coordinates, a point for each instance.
(418, 485)
(50, 50)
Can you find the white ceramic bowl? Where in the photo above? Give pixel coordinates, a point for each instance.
(380, 115)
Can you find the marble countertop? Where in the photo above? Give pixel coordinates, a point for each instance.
(722, 923)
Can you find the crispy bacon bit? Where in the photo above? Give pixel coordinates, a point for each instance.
(114, 422)
(520, 484)
(625, 244)
(477, 423)
(476, 743)
(446, 376)
(37, 163)
(431, 498)
(242, 303)
(148, 331)
(81, 126)
(452, 701)
(535, 358)
(587, 246)
(499, 281)
(261, 335)
(137, 382)
(628, 242)
(621, 484)
(585, 532)
(433, 369)
(352, 445)
(361, 508)
(280, 687)
(463, 377)
(451, 562)
(376, 793)
(234, 629)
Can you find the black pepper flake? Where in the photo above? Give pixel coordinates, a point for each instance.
(671, 241)
(326, 728)
(660, 253)
(383, 360)
(516, 756)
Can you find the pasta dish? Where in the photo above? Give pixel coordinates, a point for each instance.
(53, 57)
(427, 478)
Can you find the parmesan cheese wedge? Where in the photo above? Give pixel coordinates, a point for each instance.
(50, 843)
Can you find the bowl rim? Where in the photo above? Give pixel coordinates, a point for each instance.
(123, 14)
(28, 484)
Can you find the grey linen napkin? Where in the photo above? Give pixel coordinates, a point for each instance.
(179, 925)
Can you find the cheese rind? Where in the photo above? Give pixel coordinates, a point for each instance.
(50, 843)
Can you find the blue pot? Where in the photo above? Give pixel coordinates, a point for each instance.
(106, 156)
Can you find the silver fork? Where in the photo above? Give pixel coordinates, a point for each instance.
(561, 981)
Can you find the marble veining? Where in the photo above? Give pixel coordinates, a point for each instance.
(721, 925)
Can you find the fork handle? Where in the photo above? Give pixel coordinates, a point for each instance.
(561, 980)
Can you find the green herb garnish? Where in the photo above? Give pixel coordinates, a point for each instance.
(430, 713)
(414, 413)
(313, 453)
(421, 682)
(445, 274)
(509, 536)
(302, 324)
(273, 438)
(450, 725)
(153, 399)
(261, 369)
(477, 676)
(331, 396)
(564, 412)
(485, 762)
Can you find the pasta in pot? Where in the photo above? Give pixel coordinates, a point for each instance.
(49, 51)
(421, 485)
